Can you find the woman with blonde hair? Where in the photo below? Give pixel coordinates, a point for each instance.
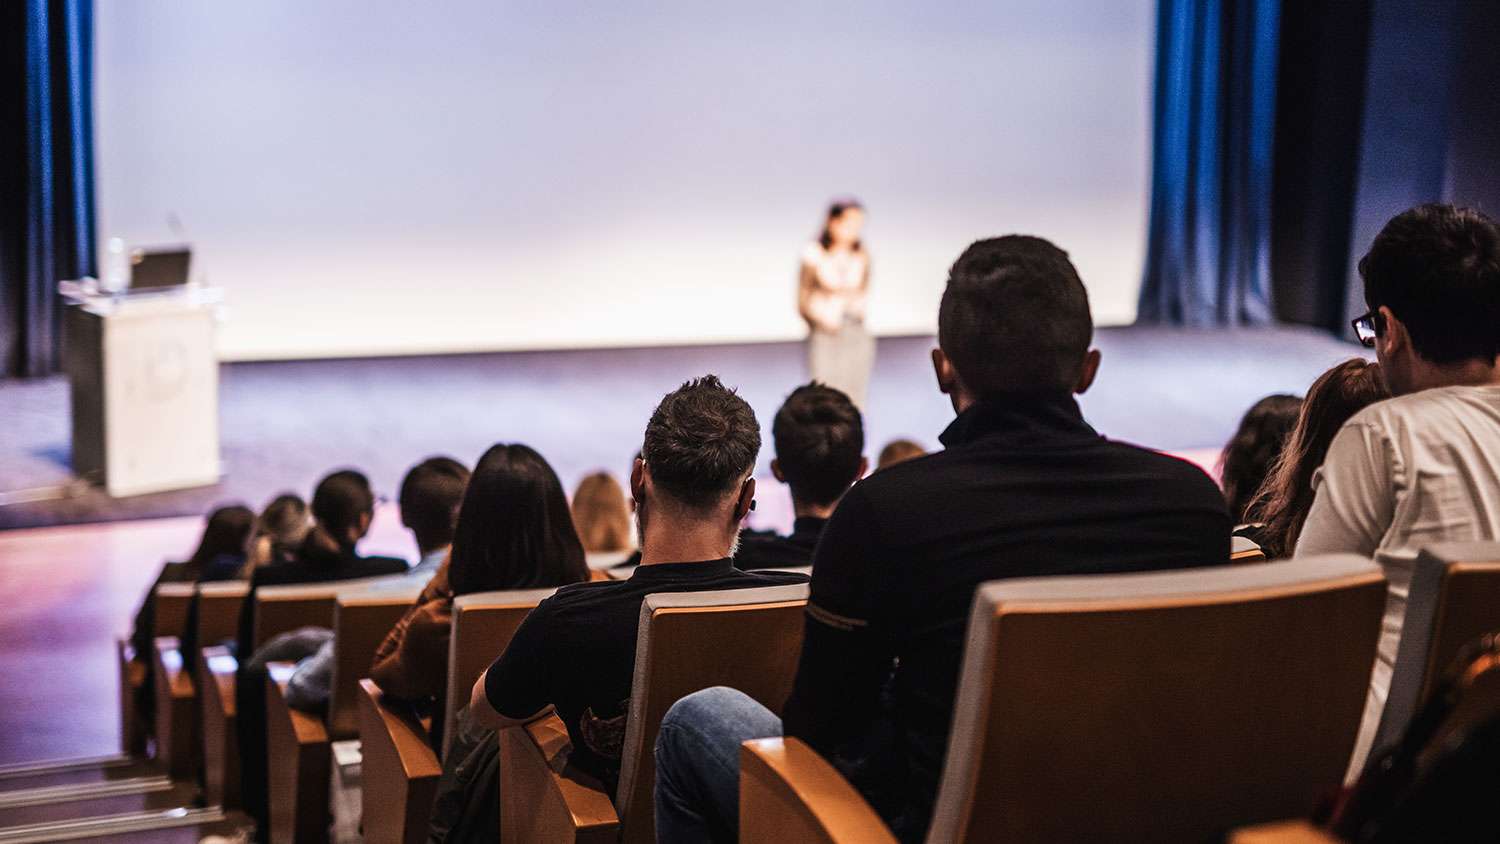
(602, 515)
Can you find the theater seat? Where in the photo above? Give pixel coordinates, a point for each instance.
(132, 674)
(686, 641)
(299, 744)
(1170, 706)
(400, 767)
(175, 721)
(1244, 550)
(400, 770)
(1454, 599)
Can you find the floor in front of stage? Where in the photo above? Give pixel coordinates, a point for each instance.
(75, 586)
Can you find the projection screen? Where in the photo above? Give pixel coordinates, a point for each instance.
(376, 178)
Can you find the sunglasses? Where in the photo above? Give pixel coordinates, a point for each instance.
(1366, 328)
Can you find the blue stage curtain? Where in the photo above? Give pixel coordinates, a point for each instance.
(48, 204)
(1209, 236)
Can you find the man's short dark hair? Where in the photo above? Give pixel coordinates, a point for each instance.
(430, 496)
(1437, 267)
(1015, 316)
(820, 439)
(701, 440)
(339, 500)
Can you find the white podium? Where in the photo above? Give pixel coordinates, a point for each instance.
(145, 390)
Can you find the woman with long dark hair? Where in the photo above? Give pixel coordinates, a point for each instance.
(1281, 505)
(1247, 458)
(832, 291)
(514, 532)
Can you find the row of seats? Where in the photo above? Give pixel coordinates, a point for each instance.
(1179, 703)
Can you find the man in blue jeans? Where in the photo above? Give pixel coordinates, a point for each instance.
(1024, 488)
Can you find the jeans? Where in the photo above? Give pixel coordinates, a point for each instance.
(698, 763)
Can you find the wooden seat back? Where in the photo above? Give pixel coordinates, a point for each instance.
(747, 639)
(361, 620)
(219, 606)
(1453, 599)
(483, 624)
(279, 609)
(399, 770)
(171, 609)
(1167, 706)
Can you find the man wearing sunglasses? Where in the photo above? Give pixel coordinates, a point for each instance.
(1422, 467)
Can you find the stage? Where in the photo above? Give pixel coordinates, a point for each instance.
(284, 424)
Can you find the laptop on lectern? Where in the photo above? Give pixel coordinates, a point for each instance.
(164, 268)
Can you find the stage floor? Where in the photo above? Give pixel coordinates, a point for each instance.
(284, 424)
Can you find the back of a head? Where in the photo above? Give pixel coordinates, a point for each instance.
(820, 443)
(284, 520)
(1437, 267)
(514, 529)
(338, 504)
(1015, 317)
(1287, 494)
(899, 451)
(429, 499)
(1249, 455)
(226, 532)
(601, 514)
(701, 442)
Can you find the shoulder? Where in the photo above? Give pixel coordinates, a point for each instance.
(386, 565)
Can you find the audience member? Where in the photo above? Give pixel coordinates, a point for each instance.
(514, 532)
(898, 451)
(1024, 488)
(1419, 468)
(602, 515)
(279, 532)
(342, 507)
(429, 499)
(1278, 510)
(820, 441)
(1247, 457)
(576, 650)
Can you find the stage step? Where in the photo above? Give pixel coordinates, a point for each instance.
(159, 825)
(74, 772)
(62, 803)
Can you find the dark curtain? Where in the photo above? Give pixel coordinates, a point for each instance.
(1208, 239)
(46, 173)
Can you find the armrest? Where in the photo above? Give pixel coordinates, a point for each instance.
(542, 800)
(176, 741)
(132, 673)
(221, 743)
(298, 763)
(1283, 832)
(790, 793)
(399, 771)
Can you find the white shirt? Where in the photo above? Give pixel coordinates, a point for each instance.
(1400, 475)
(838, 293)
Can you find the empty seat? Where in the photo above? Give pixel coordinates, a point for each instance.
(686, 641)
(175, 720)
(1167, 706)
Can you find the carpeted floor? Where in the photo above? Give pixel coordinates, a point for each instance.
(284, 424)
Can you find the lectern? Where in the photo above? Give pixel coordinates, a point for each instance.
(145, 390)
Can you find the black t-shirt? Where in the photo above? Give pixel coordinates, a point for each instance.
(576, 651)
(770, 551)
(1025, 489)
(309, 568)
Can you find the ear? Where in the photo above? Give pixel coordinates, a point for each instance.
(1394, 337)
(364, 526)
(1090, 370)
(864, 467)
(776, 470)
(942, 367)
(638, 480)
(746, 502)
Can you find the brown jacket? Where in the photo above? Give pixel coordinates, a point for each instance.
(412, 662)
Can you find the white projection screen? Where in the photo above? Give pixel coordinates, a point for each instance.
(374, 178)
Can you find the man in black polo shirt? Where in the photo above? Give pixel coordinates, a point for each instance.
(576, 651)
(820, 443)
(1025, 488)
